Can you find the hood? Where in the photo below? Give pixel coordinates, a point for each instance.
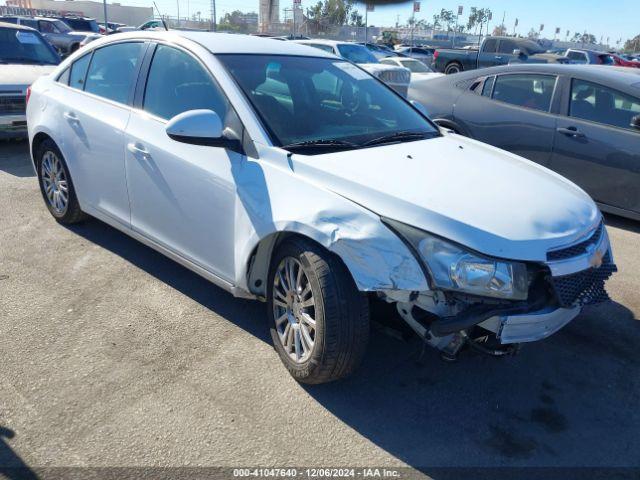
(423, 77)
(21, 76)
(479, 196)
(84, 34)
(381, 67)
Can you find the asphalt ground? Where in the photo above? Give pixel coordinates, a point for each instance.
(113, 355)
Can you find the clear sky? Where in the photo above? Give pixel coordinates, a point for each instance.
(604, 18)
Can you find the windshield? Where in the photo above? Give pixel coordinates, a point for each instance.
(23, 46)
(306, 99)
(531, 47)
(61, 26)
(356, 53)
(415, 66)
(83, 25)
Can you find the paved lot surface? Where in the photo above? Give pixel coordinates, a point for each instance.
(111, 354)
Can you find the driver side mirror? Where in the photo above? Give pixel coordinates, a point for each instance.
(200, 127)
(518, 53)
(635, 123)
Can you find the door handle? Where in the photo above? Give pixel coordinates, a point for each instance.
(571, 132)
(137, 149)
(71, 117)
(498, 57)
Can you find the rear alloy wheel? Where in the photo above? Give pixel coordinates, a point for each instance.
(319, 321)
(56, 185)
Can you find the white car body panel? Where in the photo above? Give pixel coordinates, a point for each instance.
(209, 209)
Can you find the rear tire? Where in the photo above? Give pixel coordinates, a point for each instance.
(453, 67)
(332, 346)
(56, 185)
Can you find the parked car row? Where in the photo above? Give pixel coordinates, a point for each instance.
(580, 121)
(496, 51)
(291, 175)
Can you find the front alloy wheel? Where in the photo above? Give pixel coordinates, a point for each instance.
(319, 320)
(294, 310)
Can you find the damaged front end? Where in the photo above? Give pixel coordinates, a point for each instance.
(522, 302)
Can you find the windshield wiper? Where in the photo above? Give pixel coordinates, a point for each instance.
(319, 144)
(396, 137)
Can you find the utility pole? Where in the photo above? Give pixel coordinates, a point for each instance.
(106, 29)
(178, 4)
(214, 20)
(366, 23)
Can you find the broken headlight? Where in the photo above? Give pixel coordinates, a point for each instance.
(453, 267)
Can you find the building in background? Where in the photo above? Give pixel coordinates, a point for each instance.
(86, 8)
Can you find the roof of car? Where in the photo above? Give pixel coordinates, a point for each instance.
(322, 41)
(599, 73)
(219, 43)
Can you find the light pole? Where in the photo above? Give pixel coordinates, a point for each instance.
(106, 29)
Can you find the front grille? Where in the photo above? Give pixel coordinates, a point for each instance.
(395, 76)
(586, 287)
(577, 249)
(12, 105)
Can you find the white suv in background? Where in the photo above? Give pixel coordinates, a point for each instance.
(285, 174)
(395, 76)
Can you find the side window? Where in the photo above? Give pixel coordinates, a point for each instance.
(507, 46)
(29, 23)
(79, 72)
(529, 91)
(593, 102)
(64, 76)
(9, 20)
(490, 45)
(577, 56)
(46, 27)
(177, 82)
(487, 88)
(112, 71)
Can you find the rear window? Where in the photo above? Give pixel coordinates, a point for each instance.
(529, 91)
(112, 71)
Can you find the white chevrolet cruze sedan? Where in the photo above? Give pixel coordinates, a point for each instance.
(284, 174)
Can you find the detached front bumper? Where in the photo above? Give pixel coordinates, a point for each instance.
(530, 327)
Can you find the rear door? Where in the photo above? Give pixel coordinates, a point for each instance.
(95, 112)
(596, 147)
(512, 112)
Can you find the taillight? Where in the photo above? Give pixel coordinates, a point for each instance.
(28, 95)
(435, 54)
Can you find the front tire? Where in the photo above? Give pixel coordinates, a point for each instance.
(318, 319)
(56, 185)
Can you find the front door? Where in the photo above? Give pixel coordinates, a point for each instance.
(596, 147)
(182, 195)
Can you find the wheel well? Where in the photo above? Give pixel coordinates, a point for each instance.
(454, 62)
(450, 125)
(260, 260)
(35, 145)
